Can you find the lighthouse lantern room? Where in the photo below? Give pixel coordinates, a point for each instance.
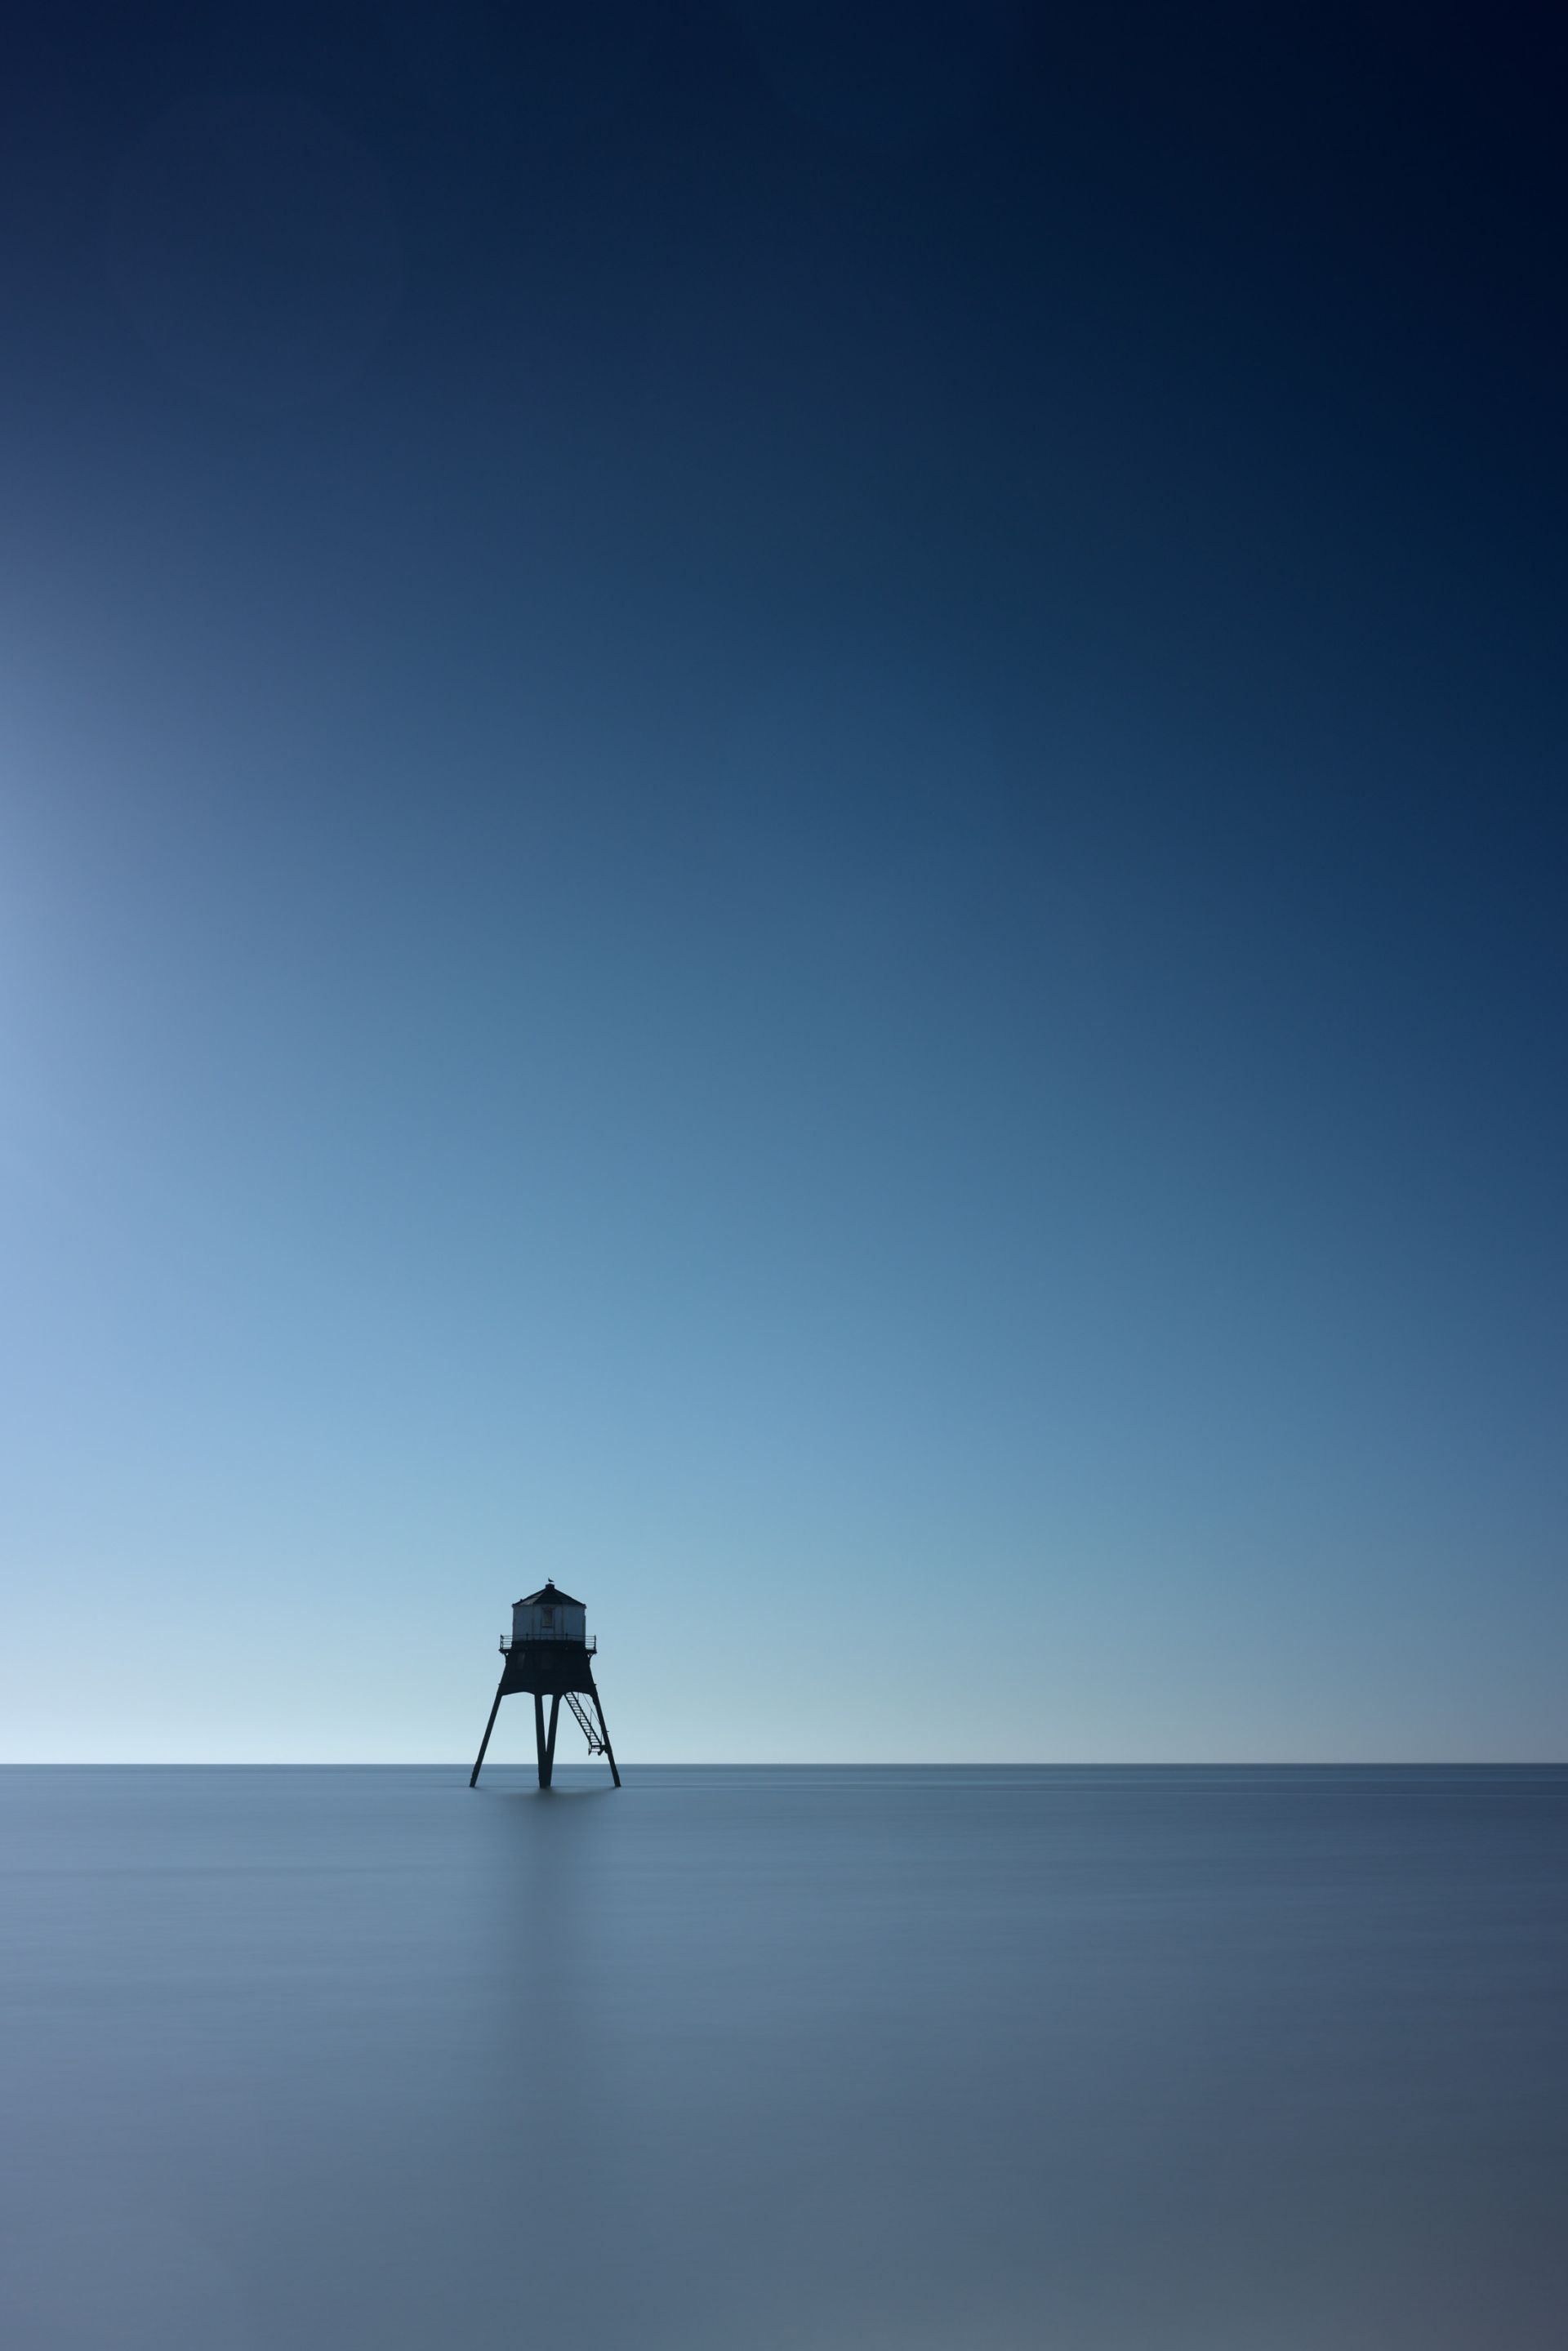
(549, 1616)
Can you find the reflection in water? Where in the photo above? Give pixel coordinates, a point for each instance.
(1108, 2060)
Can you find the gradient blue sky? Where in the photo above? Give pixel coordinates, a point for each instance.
(783, 828)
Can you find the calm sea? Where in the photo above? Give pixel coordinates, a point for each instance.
(1071, 2060)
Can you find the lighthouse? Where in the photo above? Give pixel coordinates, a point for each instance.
(548, 1654)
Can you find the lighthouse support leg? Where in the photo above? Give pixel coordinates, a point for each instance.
(489, 1727)
(545, 1746)
(604, 1734)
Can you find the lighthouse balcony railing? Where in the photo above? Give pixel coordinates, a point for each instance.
(525, 1639)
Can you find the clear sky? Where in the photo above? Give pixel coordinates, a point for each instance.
(782, 827)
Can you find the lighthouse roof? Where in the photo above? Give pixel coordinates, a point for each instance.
(549, 1597)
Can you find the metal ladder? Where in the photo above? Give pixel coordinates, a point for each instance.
(589, 1727)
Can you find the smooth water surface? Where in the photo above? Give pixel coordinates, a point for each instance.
(1092, 2060)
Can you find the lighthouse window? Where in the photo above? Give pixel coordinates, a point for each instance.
(547, 1615)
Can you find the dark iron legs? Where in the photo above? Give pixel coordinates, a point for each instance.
(603, 1733)
(544, 1740)
(489, 1727)
(545, 1743)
